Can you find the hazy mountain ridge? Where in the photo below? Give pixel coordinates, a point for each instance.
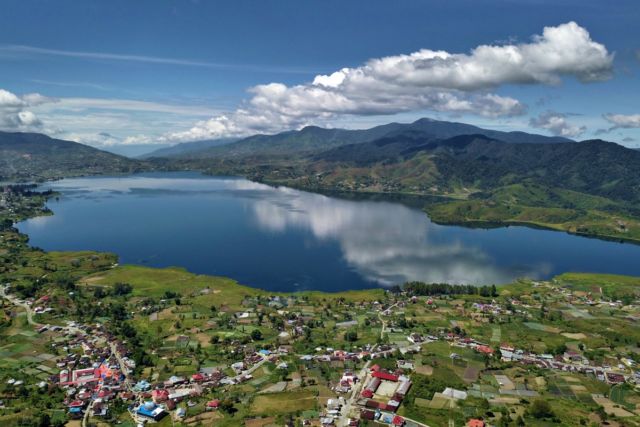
(313, 139)
(187, 147)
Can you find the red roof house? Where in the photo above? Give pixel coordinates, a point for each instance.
(160, 395)
(484, 349)
(385, 376)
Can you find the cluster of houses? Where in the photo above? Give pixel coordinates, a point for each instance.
(571, 361)
(95, 377)
(384, 392)
(332, 412)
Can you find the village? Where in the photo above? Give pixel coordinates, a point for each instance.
(365, 374)
(88, 342)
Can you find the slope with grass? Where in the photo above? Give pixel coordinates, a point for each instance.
(37, 157)
(590, 188)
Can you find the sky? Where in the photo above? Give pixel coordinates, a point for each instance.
(118, 72)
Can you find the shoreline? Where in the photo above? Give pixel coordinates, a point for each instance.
(472, 224)
(349, 195)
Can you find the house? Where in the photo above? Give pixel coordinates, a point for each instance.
(174, 380)
(151, 411)
(142, 385)
(403, 388)
(238, 367)
(368, 415)
(484, 349)
(475, 423)
(385, 376)
(612, 378)
(415, 338)
(160, 396)
(213, 404)
(405, 364)
(373, 385)
(348, 378)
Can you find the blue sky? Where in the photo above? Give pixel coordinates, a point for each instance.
(115, 72)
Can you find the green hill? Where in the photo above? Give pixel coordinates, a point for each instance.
(33, 157)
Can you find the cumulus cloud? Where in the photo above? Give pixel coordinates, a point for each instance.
(557, 124)
(15, 114)
(424, 80)
(625, 121)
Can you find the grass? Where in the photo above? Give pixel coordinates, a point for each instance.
(555, 209)
(284, 403)
(608, 284)
(155, 282)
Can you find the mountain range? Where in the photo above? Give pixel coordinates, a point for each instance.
(312, 139)
(478, 176)
(484, 177)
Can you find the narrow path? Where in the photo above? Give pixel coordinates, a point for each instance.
(13, 300)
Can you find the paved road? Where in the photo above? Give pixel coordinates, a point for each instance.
(343, 420)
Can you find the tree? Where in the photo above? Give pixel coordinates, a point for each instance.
(256, 335)
(351, 336)
(540, 408)
(227, 406)
(120, 289)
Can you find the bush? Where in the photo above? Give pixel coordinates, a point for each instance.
(540, 409)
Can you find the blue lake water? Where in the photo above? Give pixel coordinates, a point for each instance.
(285, 240)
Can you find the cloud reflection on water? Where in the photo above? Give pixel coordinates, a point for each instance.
(385, 242)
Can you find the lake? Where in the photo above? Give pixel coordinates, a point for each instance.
(282, 239)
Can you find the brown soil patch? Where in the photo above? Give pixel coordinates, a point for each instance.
(204, 417)
(424, 370)
(259, 422)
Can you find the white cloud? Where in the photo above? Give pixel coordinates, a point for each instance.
(100, 139)
(15, 111)
(623, 120)
(86, 119)
(425, 80)
(557, 124)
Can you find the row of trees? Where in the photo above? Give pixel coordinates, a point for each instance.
(428, 289)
